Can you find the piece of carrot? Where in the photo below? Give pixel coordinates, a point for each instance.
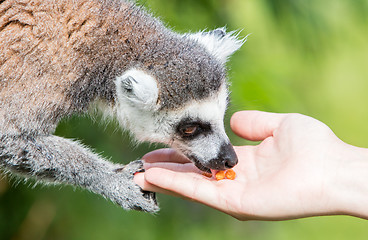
(207, 174)
(230, 174)
(220, 175)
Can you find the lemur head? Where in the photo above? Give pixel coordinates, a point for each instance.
(180, 98)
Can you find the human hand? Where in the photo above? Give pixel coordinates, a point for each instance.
(298, 170)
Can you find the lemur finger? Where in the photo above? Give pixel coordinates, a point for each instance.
(132, 168)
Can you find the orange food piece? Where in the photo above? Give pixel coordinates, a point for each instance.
(220, 175)
(206, 174)
(230, 174)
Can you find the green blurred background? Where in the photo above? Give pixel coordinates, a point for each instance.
(301, 56)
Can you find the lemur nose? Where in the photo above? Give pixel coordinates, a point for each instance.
(230, 163)
(228, 155)
(226, 159)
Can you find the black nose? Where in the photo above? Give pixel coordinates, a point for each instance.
(226, 158)
(228, 155)
(230, 163)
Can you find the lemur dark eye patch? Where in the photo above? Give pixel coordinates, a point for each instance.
(189, 129)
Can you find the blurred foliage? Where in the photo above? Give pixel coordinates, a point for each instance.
(301, 56)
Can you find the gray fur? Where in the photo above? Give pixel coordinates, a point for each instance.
(59, 57)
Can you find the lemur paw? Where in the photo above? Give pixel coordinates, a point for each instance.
(130, 195)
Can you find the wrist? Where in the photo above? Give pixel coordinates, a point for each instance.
(349, 185)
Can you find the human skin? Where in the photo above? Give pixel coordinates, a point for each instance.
(299, 169)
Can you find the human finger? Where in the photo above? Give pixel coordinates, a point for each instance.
(255, 125)
(189, 186)
(165, 155)
(139, 179)
(178, 167)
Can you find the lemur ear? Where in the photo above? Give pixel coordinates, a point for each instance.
(218, 42)
(138, 88)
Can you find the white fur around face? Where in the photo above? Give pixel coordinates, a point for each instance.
(219, 43)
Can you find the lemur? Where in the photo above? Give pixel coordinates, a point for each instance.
(62, 57)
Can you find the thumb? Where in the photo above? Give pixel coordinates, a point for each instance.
(255, 125)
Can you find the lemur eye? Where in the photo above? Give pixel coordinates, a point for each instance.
(189, 129)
